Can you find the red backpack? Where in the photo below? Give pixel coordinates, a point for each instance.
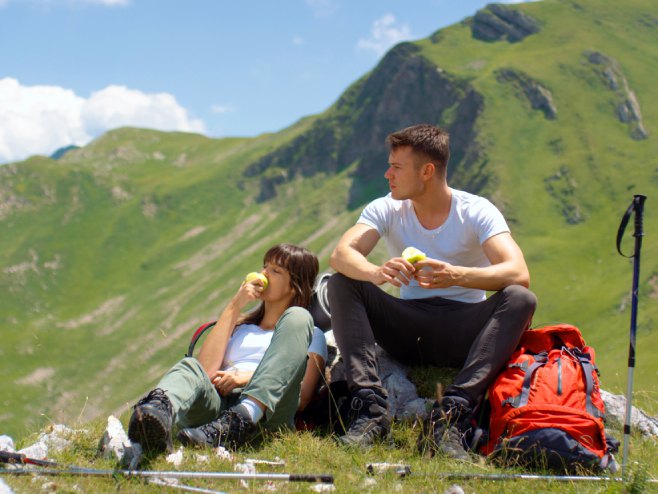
(546, 405)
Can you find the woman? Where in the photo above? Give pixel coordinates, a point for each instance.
(250, 367)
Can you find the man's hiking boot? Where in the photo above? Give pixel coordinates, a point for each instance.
(369, 420)
(151, 421)
(231, 430)
(443, 431)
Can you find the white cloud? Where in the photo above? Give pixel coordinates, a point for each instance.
(41, 119)
(386, 32)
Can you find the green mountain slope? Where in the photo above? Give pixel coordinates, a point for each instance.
(112, 255)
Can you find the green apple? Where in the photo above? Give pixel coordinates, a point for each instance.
(412, 255)
(254, 276)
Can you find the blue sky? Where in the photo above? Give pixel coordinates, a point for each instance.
(72, 69)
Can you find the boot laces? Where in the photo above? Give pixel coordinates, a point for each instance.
(156, 398)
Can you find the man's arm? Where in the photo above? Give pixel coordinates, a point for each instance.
(349, 258)
(508, 267)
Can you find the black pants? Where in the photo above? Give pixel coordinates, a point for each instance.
(478, 338)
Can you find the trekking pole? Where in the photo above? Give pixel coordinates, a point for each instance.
(405, 470)
(90, 472)
(184, 487)
(524, 476)
(19, 458)
(636, 206)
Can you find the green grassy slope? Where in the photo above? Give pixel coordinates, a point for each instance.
(585, 155)
(107, 278)
(111, 256)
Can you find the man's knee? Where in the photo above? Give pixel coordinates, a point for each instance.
(339, 289)
(520, 299)
(337, 282)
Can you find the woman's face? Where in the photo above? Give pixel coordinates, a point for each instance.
(279, 287)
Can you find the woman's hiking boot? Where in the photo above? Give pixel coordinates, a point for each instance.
(231, 430)
(369, 420)
(443, 431)
(151, 421)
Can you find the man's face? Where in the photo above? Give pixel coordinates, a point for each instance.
(404, 177)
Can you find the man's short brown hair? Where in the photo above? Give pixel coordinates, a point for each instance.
(428, 141)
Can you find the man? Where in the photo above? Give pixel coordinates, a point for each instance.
(443, 316)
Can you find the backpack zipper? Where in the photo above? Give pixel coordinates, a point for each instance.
(559, 376)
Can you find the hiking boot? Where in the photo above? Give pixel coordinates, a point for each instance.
(443, 431)
(369, 419)
(151, 421)
(231, 430)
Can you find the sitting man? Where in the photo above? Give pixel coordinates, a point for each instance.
(443, 317)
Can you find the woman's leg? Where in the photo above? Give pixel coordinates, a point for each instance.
(276, 383)
(184, 396)
(194, 399)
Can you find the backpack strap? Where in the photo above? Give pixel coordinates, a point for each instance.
(588, 369)
(521, 399)
(197, 334)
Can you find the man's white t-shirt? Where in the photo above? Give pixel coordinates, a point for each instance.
(458, 241)
(248, 343)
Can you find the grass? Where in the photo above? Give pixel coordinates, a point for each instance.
(313, 453)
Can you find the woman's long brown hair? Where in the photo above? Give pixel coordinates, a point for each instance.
(303, 267)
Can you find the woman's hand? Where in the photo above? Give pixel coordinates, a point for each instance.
(248, 292)
(227, 381)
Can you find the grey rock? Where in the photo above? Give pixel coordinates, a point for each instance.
(57, 440)
(115, 443)
(497, 23)
(403, 399)
(7, 444)
(4, 488)
(615, 410)
(114, 440)
(627, 107)
(539, 97)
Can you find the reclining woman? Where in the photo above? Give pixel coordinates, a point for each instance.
(250, 368)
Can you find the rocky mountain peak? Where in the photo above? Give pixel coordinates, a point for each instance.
(497, 23)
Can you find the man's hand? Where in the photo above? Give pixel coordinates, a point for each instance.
(396, 271)
(431, 273)
(227, 381)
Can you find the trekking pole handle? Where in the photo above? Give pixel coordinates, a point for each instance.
(8, 457)
(300, 477)
(638, 204)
